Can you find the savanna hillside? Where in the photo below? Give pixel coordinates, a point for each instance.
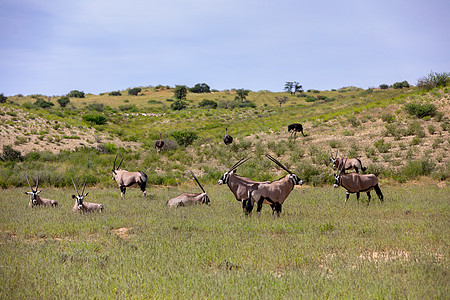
(399, 133)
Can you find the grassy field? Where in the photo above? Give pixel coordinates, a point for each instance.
(138, 248)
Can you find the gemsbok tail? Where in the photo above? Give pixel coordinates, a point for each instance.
(379, 193)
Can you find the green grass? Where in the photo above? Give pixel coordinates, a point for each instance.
(318, 248)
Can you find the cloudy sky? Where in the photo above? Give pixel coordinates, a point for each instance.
(51, 47)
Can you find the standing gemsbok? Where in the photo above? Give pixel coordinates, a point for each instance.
(239, 186)
(35, 199)
(354, 163)
(128, 179)
(357, 183)
(81, 205)
(273, 193)
(186, 199)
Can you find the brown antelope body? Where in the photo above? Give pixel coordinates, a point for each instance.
(357, 183)
(187, 199)
(273, 193)
(347, 163)
(35, 199)
(83, 206)
(128, 179)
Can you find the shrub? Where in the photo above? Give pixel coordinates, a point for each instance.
(42, 103)
(421, 167)
(200, 88)
(184, 137)
(310, 99)
(128, 107)
(208, 104)
(414, 128)
(433, 80)
(420, 110)
(10, 154)
(3, 98)
(352, 120)
(63, 101)
(178, 105)
(384, 86)
(382, 146)
(75, 94)
(97, 119)
(400, 85)
(242, 104)
(115, 93)
(96, 106)
(388, 118)
(134, 91)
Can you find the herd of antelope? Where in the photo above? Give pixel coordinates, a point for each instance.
(245, 190)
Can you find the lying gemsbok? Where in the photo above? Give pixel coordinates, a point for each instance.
(357, 183)
(81, 205)
(187, 199)
(128, 179)
(354, 163)
(240, 186)
(35, 199)
(273, 193)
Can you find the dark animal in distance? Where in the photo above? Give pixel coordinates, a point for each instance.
(159, 144)
(128, 179)
(35, 199)
(357, 183)
(186, 199)
(294, 128)
(273, 193)
(81, 205)
(228, 139)
(354, 163)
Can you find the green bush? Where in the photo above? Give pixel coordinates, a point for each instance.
(134, 91)
(421, 167)
(3, 98)
(115, 93)
(97, 119)
(382, 146)
(42, 103)
(400, 85)
(95, 106)
(75, 94)
(178, 105)
(388, 118)
(433, 80)
(208, 104)
(184, 137)
(128, 107)
(10, 154)
(63, 101)
(420, 110)
(414, 128)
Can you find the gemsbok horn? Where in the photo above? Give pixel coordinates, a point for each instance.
(81, 205)
(186, 199)
(273, 193)
(357, 183)
(128, 179)
(354, 163)
(35, 199)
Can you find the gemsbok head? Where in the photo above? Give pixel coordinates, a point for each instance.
(186, 199)
(128, 179)
(357, 183)
(273, 193)
(35, 199)
(81, 205)
(354, 163)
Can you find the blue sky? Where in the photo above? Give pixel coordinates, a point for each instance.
(51, 47)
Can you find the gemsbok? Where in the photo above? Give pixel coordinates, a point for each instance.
(294, 128)
(81, 205)
(128, 179)
(240, 186)
(273, 193)
(35, 199)
(186, 199)
(354, 163)
(357, 183)
(159, 144)
(228, 139)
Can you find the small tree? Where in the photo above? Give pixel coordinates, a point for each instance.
(63, 101)
(115, 93)
(180, 92)
(134, 91)
(3, 98)
(184, 137)
(281, 100)
(200, 88)
(42, 103)
(76, 94)
(400, 85)
(297, 87)
(289, 85)
(178, 105)
(241, 94)
(384, 86)
(208, 104)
